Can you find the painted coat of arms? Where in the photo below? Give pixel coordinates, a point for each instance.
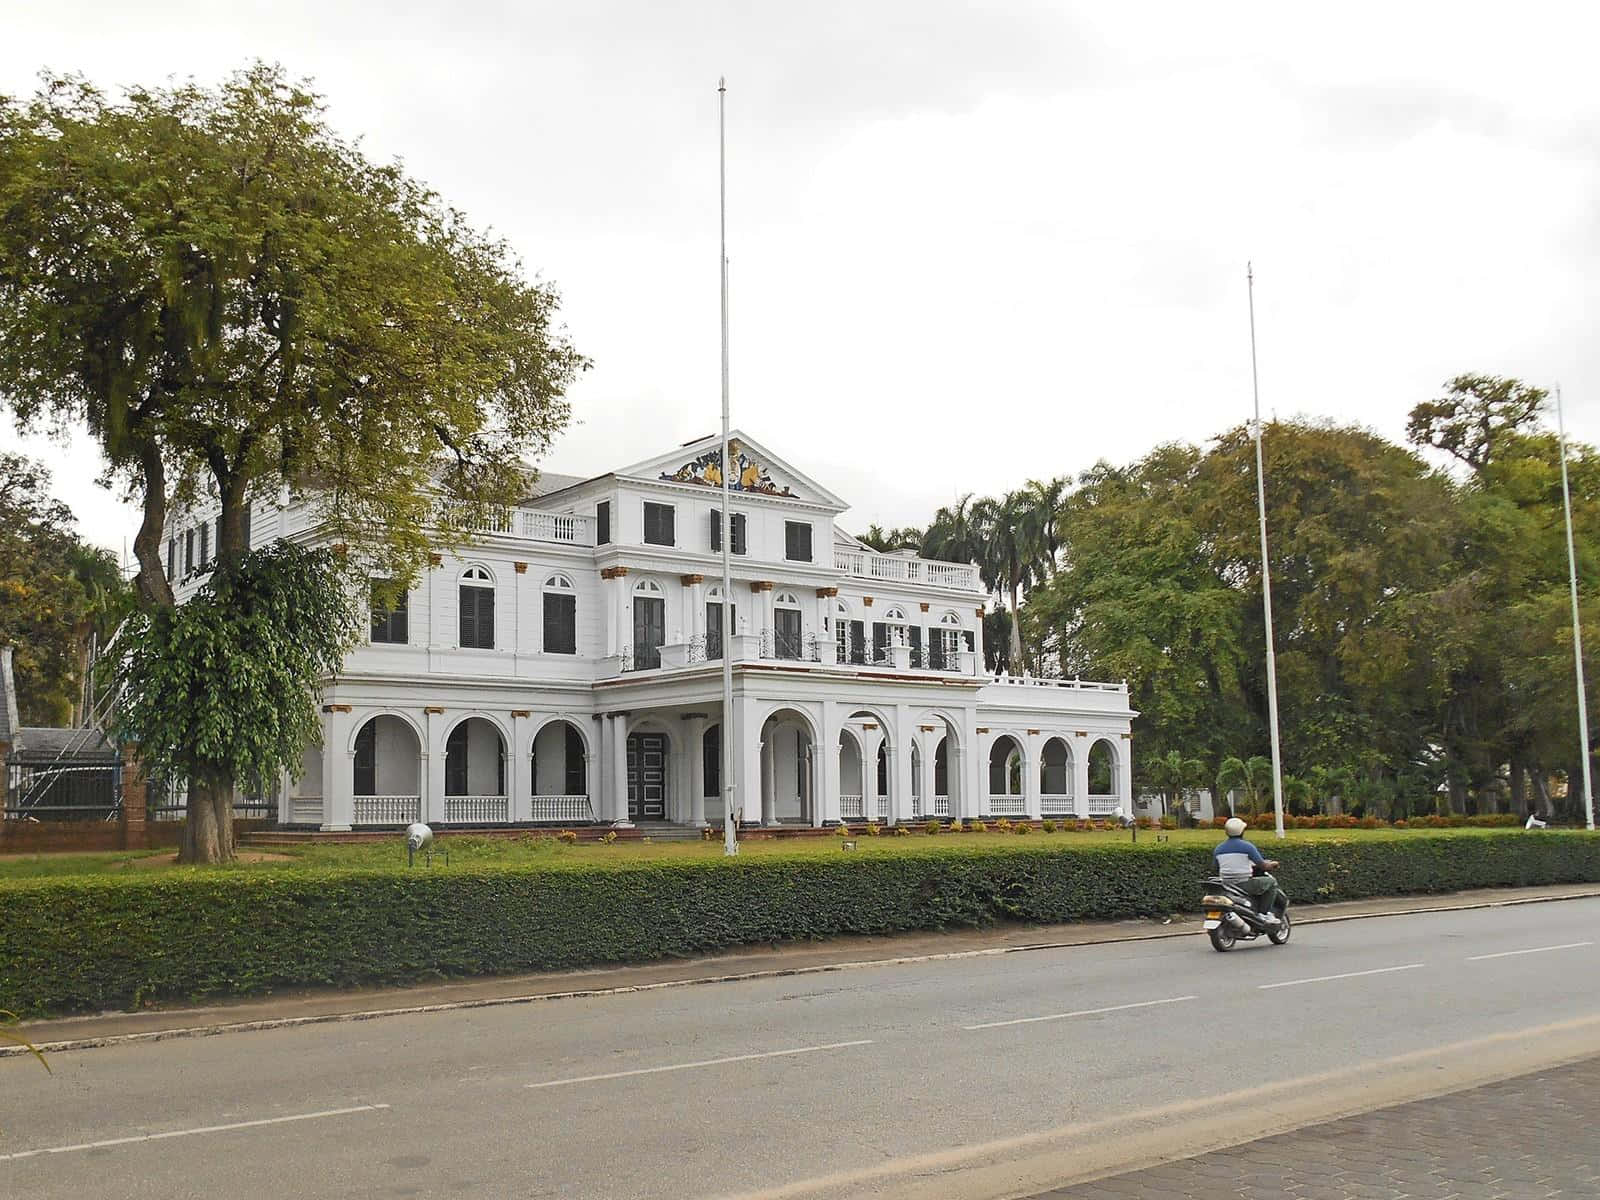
(748, 475)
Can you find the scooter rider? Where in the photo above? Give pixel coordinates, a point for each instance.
(1237, 861)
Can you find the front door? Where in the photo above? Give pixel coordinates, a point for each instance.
(647, 776)
(649, 631)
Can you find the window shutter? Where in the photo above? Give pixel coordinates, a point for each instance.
(880, 641)
(716, 529)
(205, 544)
(916, 645)
(468, 615)
(560, 624)
(936, 641)
(188, 551)
(576, 780)
(602, 523)
(172, 557)
(797, 541)
(858, 642)
(739, 533)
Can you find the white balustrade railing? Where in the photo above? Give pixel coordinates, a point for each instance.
(1103, 806)
(562, 808)
(865, 565)
(305, 810)
(1008, 806)
(477, 810)
(1082, 685)
(387, 810)
(941, 806)
(883, 808)
(565, 528)
(1056, 806)
(852, 808)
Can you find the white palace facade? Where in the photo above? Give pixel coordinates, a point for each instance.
(565, 668)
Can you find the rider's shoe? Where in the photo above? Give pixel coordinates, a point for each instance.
(1270, 919)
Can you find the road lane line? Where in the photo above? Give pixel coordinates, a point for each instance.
(1347, 975)
(705, 1062)
(1082, 1012)
(1533, 950)
(177, 1133)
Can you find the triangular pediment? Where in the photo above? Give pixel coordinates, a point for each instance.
(756, 471)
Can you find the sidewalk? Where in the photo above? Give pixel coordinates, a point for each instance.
(309, 1006)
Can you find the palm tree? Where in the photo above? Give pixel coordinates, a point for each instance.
(1010, 534)
(885, 541)
(1252, 776)
(951, 536)
(1173, 776)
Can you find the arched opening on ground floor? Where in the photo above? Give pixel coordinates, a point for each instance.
(649, 774)
(1055, 778)
(1103, 797)
(475, 791)
(559, 774)
(387, 768)
(788, 769)
(1006, 763)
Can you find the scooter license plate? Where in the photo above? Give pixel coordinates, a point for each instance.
(1213, 924)
(1213, 916)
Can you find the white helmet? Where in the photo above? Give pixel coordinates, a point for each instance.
(1234, 827)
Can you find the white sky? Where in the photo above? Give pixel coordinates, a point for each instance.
(971, 244)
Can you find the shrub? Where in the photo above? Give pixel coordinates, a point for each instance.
(608, 837)
(957, 827)
(120, 941)
(1047, 826)
(902, 831)
(977, 826)
(1003, 825)
(931, 827)
(842, 829)
(873, 829)
(1022, 827)
(569, 836)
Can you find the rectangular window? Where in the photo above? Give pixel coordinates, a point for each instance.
(797, 541)
(659, 524)
(739, 527)
(649, 631)
(858, 643)
(714, 627)
(915, 632)
(477, 617)
(172, 557)
(602, 523)
(205, 544)
(937, 639)
(188, 551)
(389, 624)
(560, 625)
(880, 642)
(787, 622)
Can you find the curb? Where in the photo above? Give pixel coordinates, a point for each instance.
(215, 1029)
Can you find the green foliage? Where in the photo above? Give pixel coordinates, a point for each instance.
(116, 942)
(932, 827)
(224, 688)
(56, 593)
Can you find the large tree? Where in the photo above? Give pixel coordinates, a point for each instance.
(233, 300)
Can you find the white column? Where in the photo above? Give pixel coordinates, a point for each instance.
(694, 735)
(622, 597)
(1032, 789)
(338, 772)
(1125, 773)
(519, 804)
(900, 766)
(608, 602)
(433, 775)
(929, 757)
(825, 781)
(980, 769)
(769, 780)
(619, 771)
(747, 762)
(1080, 776)
(695, 626)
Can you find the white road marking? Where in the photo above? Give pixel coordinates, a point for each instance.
(1534, 950)
(1347, 975)
(177, 1133)
(1082, 1012)
(705, 1062)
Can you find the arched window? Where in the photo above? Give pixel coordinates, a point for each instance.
(560, 615)
(788, 633)
(846, 634)
(477, 609)
(649, 624)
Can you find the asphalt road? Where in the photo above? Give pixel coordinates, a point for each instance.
(982, 1076)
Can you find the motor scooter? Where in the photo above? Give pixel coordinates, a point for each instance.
(1233, 917)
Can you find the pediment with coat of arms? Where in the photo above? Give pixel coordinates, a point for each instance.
(748, 475)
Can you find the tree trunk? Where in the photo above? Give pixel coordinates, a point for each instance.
(1519, 788)
(154, 589)
(208, 827)
(1017, 661)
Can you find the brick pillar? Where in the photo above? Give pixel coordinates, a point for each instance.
(133, 799)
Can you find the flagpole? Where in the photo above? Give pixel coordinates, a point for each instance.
(730, 833)
(1577, 630)
(1266, 575)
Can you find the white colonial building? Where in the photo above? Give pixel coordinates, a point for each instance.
(566, 668)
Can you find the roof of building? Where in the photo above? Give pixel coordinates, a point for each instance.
(36, 740)
(549, 482)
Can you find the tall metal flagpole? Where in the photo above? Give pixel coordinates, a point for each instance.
(730, 834)
(1577, 631)
(1266, 576)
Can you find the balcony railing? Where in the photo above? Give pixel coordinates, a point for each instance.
(865, 564)
(477, 810)
(387, 810)
(852, 808)
(1103, 806)
(563, 528)
(1008, 806)
(941, 806)
(1056, 805)
(562, 808)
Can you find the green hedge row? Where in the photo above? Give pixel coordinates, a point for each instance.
(115, 942)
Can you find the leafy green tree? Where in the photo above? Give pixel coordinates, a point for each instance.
(886, 541)
(1252, 776)
(1173, 777)
(235, 301)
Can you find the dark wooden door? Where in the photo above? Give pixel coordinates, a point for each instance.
(647, 777)
(649, 631)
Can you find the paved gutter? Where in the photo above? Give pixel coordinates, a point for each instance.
(303, 1007)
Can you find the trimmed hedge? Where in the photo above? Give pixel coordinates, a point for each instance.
(115, 942)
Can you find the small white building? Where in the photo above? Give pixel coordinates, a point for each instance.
(567, 668)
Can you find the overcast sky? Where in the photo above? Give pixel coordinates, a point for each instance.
(971, 244)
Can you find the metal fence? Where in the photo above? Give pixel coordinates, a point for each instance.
(170, 802)
(64, 787)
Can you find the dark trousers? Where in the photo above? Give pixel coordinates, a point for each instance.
(1264, 890)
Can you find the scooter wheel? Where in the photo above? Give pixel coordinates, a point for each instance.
(1280, 935)
(1222, 940)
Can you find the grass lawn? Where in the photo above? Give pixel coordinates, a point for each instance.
(545, 850)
